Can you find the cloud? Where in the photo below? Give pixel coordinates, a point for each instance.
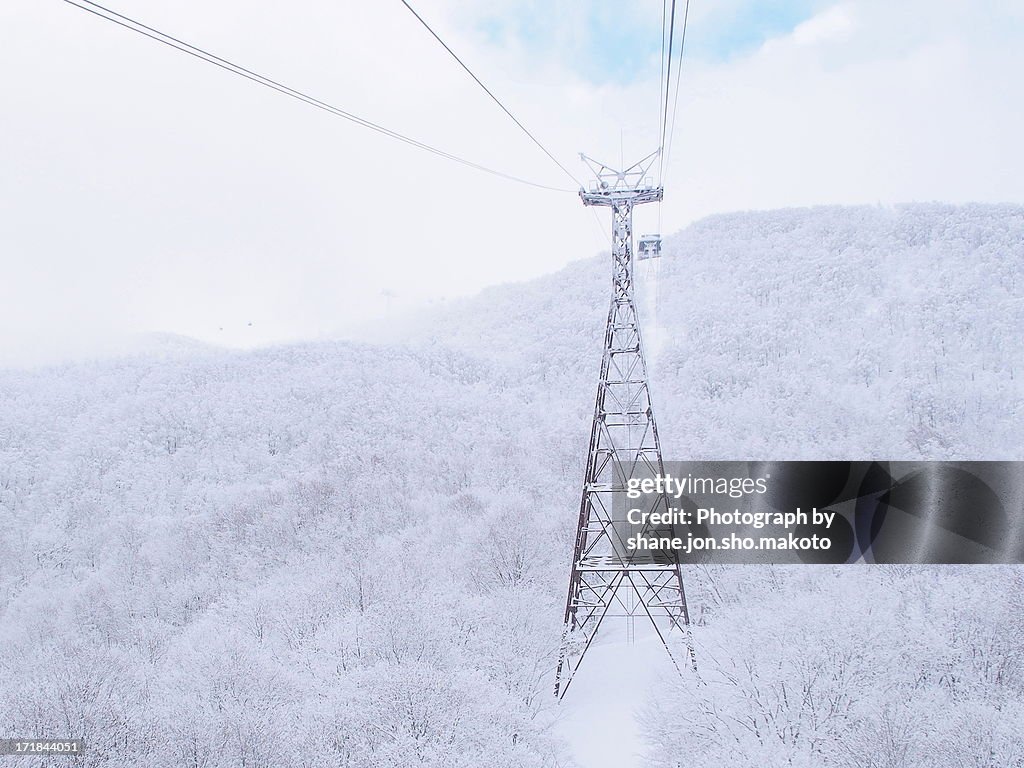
(146, 191)
(832, 24)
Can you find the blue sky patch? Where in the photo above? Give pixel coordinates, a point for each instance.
(619, 46)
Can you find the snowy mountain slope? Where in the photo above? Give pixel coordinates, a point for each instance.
(219, 556)
(807, 333)
(349, 554)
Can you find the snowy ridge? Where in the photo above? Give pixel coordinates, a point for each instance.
(822, 333)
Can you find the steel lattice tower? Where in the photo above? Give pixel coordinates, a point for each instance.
(606, 579)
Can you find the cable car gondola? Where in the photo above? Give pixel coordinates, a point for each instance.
(649, 247)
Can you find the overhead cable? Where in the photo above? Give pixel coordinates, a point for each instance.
(679, 77)
(135, 26)
(490, 93)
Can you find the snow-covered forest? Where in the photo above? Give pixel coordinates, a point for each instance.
(355, 554)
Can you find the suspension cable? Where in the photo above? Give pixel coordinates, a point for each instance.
(668, 84)
(679, 77)
(488, 91)
(135, 26)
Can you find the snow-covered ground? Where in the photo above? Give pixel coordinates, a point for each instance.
(356, 554)
(604, 709)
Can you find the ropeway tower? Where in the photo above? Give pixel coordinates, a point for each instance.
(606, 579)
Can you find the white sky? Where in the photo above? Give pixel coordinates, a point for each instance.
(142, 190)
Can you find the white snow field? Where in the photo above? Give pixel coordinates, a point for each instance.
(353, 554)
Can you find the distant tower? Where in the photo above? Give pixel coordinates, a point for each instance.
(606, 579)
